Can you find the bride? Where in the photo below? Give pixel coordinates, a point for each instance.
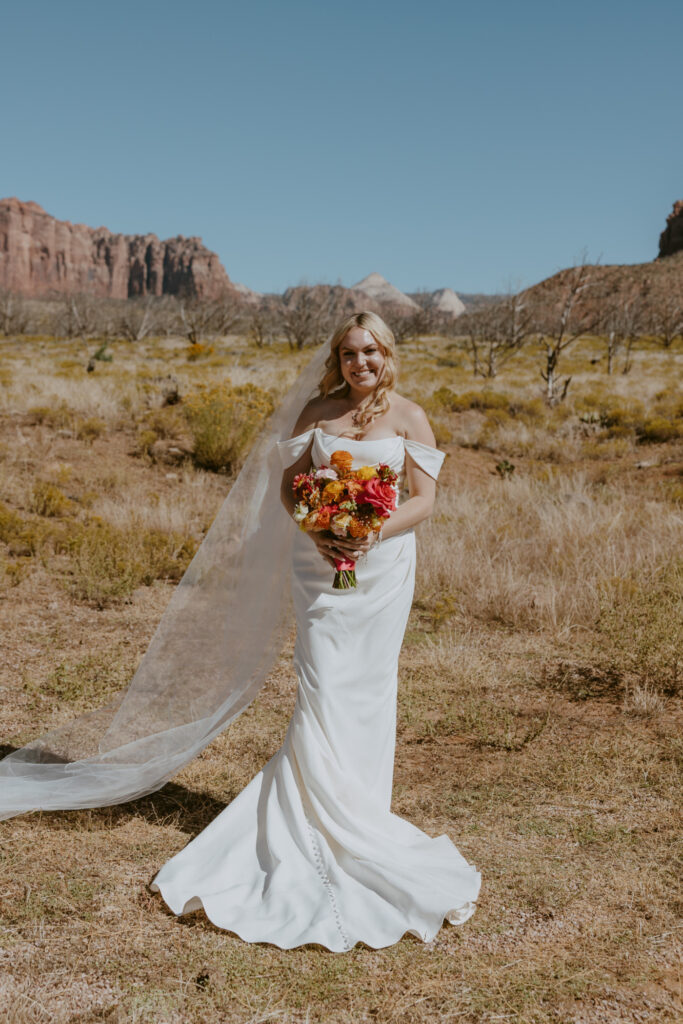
(310, 852)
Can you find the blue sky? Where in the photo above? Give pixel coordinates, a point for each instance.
(478, 146)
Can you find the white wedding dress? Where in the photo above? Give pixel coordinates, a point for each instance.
(309, 852)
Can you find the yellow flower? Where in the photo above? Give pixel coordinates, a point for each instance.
(333, 491)
(366, 473)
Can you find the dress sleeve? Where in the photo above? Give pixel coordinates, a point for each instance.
(292, 449)
(427, 458)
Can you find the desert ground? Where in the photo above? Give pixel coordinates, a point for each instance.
(539, 717)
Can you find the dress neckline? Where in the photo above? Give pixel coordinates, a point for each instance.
(359, 440)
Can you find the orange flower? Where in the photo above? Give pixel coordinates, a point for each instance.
(311, 522)
(341, 461)
(358, 529)
(323, 521)
(333, 491)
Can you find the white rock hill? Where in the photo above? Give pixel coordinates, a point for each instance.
(446, 301)
(379, 289)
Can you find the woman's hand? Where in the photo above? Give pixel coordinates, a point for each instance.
(356, 547)
(331, 547)
(326, 544)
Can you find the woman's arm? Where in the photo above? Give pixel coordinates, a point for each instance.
(325, 542)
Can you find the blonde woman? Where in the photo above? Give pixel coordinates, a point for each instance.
(310, 852)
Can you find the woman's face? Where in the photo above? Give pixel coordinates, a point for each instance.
(361, 360)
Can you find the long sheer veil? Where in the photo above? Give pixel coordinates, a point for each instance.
(214, 645)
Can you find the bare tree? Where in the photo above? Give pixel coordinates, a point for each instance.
(666, 312)
(198, 318)
(479, 337)
(136, 318)
(261, 323)
(15, 314)
(507, 326)
(408, 324)
(562, 316)
(624, 319)
(308, 314)
(82, 316)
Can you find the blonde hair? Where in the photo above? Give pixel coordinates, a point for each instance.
(377, 403)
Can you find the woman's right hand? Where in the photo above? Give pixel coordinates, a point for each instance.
(326, 544)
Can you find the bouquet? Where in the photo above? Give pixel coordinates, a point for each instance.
(346, 502)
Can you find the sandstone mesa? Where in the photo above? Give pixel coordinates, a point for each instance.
(40, 254)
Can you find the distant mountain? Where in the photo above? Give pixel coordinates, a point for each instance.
(248, 294)
(445, 300)
(380, 290)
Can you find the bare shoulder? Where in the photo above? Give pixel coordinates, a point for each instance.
(413, 420)
(312, 414)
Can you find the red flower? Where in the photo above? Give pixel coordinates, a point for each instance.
(380, 495)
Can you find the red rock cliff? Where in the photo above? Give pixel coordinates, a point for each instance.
(671, 238)
(40, 254)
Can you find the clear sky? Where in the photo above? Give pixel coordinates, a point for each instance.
(478, 145)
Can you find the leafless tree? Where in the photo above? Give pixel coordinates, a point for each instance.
(15, 313)
(481, 334)
(562, 316)
(625, 315)
(136, 318)
(83, 316)
(198, 318)
(308, 314)
(503, 329)
(261, 323)
(665, 321)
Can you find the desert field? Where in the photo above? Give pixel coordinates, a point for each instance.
(539, 717)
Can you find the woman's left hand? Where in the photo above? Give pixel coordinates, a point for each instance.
(356, 547)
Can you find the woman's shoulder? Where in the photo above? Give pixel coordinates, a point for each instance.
(313, 413)
(412, 418)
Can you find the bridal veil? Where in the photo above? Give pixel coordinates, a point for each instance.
(212, 650)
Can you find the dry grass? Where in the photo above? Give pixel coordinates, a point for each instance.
(538, 720)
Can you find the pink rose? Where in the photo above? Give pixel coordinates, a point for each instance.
(380, 495)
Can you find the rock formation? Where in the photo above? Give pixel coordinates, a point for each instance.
(445, 300)
(379, 290)
(40, 254)
(671, 238)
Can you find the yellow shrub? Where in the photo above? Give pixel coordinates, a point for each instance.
(22, 536)
(659, 429)
(145, 440)
(89, 429)
(454, 402)
(48, 500)
(108, 563)
(197, 350)
(223, 421)
(56, 416)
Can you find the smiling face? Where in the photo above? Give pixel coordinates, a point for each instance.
(361, 360)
